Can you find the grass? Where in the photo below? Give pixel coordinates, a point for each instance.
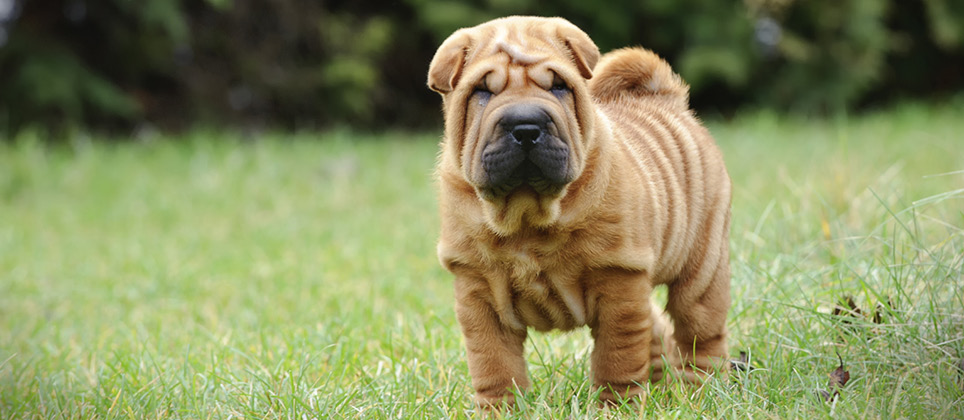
(295, 277)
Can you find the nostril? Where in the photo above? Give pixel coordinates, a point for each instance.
(526, 135)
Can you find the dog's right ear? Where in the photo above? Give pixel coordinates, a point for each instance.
(584, 52)
(446, 67)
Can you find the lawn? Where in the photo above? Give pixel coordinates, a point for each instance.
(294, 276)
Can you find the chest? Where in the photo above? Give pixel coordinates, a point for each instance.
(535, 287)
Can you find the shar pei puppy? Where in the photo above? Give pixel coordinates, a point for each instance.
(570, 186)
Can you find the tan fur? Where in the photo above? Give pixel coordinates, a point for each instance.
(648, 204)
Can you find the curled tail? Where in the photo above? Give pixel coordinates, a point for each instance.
(636, 72)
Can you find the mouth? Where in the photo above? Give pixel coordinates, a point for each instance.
(503, 179)
(527, 152)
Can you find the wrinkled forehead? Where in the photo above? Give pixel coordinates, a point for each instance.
(524, 43)
(523, 46)
(497, 48)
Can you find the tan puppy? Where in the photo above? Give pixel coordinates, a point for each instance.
(568, 191)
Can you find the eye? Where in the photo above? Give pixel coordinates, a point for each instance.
(482, 94)
(559, 87)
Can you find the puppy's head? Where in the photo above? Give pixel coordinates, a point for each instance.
(517, 113)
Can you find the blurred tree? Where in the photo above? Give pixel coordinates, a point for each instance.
(307, 64)
(831, 52)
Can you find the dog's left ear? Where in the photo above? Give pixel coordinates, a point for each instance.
(446, 67)
(584, 52)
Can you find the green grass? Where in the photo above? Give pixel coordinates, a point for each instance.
(295, 277)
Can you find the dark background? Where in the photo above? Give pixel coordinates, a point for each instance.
(120, 65)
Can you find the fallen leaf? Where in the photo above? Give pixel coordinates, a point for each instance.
(839, 376)
(881, 309)
(838, 379)
(742, 363)
(846, 307)
(851, 317)
(846, 311)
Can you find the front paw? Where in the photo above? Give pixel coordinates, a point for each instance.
(493, 401)
(701, 368)
(612, 394)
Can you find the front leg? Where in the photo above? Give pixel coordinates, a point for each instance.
(493, 349)
(623, 333)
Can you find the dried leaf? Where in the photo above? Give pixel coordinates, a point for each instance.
(846, 310)
(881, 309)
(742, 363)
(847, 307)
(839, 376)
(838, 379)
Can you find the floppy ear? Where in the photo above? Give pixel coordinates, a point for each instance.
(446, 67)
(584, 52)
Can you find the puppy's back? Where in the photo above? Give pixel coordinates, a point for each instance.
(647, 105)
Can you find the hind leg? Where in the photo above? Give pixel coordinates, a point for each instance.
(698, 303)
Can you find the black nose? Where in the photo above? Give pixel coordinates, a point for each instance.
(525, 123)
(527, 135)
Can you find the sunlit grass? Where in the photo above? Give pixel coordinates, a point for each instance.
(295, 277)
